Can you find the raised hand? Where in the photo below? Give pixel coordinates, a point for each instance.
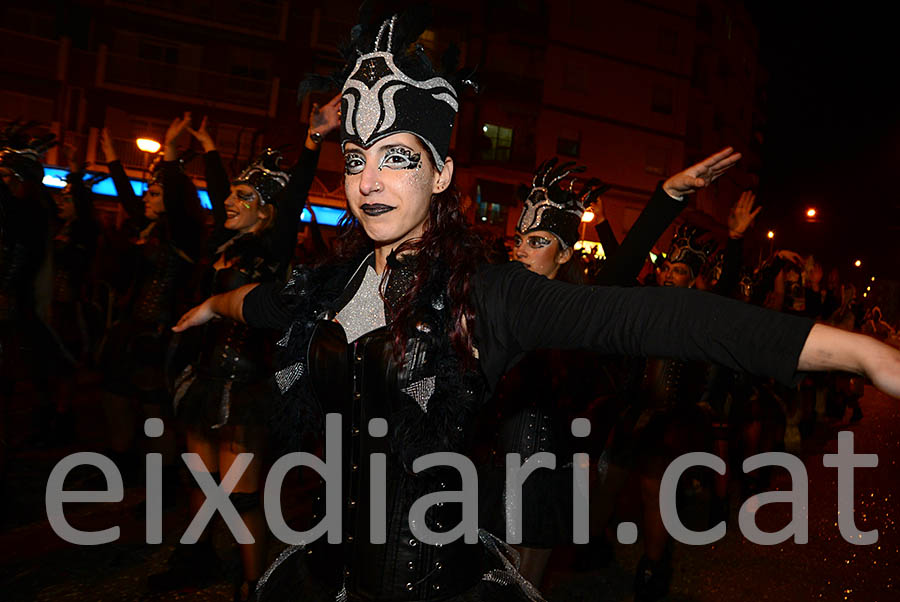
(177, 126)
(106, 144)
(323, 120)
(742, 215)
(202, 136)
(702, 174)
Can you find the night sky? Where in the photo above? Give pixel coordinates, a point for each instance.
(833, 134)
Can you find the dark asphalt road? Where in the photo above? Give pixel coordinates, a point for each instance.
(35, 564)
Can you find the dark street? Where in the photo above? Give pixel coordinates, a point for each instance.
(38, 565)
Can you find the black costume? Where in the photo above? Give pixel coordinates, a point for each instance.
(517, 311)
(167, 252)
(226, 383)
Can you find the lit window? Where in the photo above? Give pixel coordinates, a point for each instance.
(497, 142)
(568, 147)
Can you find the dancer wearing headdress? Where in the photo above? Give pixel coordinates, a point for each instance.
(400, 339)
(223, 395)
(24, 246)
(168, 220)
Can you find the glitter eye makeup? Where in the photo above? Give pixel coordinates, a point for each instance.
(354, 163)
(400, 157)
(538, 242)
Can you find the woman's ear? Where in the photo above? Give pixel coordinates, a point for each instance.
(445, 176)
(265, 212)
(564, 256)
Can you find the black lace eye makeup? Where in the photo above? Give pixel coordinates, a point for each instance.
(400, 157)
(535, 242)
(354, 163)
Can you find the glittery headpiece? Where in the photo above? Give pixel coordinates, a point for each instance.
(21, 154)
(379, 99)
(688, 247)
(156, 166)
(552, 206)
(389, 84)
(265, 176)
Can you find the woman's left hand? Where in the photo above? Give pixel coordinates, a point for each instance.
(323, 120)
(702, 174)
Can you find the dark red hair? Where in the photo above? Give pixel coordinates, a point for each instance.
(447, 254)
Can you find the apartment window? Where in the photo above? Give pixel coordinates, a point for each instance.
(152, 50)
(574, 76)
(661, 101)
(492, 202)
(667, 41)
(657, 161)
(496, 142)
(704, 17)
(570, 147)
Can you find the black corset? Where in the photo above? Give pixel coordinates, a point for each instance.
(362, 381)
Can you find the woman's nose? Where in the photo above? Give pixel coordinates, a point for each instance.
(369, 180)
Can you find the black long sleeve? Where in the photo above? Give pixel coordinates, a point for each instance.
(517, 311)
(183, 211)
(607, 238)
(731, 268)
(132, 205)
(626, 264)
(217, 185)
(291, 203)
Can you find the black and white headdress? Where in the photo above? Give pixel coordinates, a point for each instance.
(21, 153)
(378, 99)
(553, 206)
(691, 246)
(389, 85)
(265, 176)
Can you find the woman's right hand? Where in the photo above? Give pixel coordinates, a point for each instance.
(196, 316)
(202, 136)
(106, 144)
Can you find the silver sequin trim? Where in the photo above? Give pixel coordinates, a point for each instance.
(365, 311)
(509, 574)
(421, 391)
(342, 596)
(224, 405)
(285, 554)
(288, 376)
(182, 384)
(283, 341)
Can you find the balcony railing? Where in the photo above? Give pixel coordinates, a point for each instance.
(179, 82)
(29, 55)
(265, 19)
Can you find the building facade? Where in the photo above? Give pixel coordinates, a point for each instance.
(633, 89)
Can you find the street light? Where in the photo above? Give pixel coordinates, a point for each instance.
(771, 234)
(857, 263)
(586, 217)
(873, 278)
(811, 212)
(148, 145)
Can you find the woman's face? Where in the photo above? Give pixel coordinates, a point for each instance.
(540, 252)
(674, 274)
(389, 187)
(243, 211)
(153, 202)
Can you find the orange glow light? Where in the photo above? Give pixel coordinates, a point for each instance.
(148, 145)
(771, 234)
(810, 212)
